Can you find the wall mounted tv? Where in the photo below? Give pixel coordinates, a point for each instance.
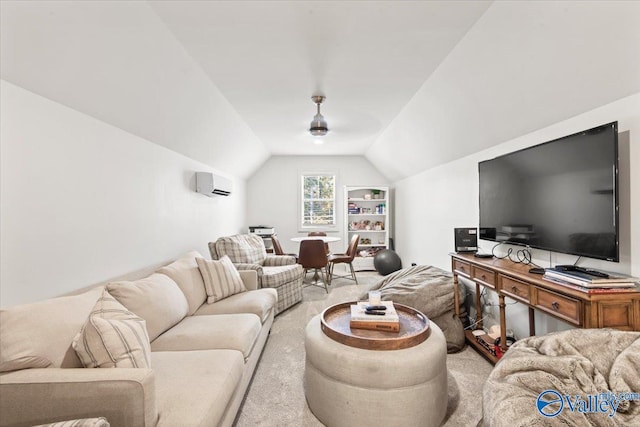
(560, 196)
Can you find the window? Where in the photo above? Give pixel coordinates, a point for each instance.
(318, 200)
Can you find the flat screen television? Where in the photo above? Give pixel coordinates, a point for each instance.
(560, 196)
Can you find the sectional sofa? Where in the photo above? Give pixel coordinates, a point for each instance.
(202, 356)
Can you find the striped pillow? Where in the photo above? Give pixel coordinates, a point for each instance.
(113, 337)
(85, 422)
(221, 279)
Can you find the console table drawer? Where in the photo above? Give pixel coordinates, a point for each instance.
(515, 289)
(484, 276)
(558, 305)
(461, 267)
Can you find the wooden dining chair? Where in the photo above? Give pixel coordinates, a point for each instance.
(314, 257)
(345, 258)
(321, 233)
(277, 247)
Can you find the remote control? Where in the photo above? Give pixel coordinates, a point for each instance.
(582, 270)
(376, 307)
(375, 313)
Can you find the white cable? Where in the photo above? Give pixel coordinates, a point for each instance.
(474, 324)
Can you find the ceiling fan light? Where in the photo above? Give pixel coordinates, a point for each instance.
(318, 126)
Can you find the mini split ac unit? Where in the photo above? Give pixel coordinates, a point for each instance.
(212, 185)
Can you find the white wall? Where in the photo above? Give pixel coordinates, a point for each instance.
(118, 62)
(272, 192)
(429, 205)
(83, 201)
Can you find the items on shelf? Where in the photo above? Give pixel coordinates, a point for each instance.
(369, 252)
(354, 209)
(366, 225)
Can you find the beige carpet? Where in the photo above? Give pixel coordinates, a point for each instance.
(276, 395)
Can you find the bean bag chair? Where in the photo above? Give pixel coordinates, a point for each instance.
(529, 384)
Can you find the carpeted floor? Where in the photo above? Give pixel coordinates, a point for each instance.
(276, 395)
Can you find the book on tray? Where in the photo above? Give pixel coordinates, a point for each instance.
(388, 322)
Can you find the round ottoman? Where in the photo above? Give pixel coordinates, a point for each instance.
(348, 386)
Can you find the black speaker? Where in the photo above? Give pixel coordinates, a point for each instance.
(466, 239)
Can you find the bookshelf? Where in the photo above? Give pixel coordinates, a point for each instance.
(367, 214)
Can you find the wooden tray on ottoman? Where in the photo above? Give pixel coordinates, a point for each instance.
(414, 329)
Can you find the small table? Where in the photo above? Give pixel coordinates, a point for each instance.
(326, 239)
(349, 386)
(414, 329)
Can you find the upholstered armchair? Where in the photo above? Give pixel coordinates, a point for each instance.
(281, 272)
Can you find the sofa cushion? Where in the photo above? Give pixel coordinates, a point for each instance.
(185, 272)
(194, 388)
(157, 299)
(222, 331)
(113, 337)
(241, 248)
(259, 302)
(40, 334)
(221, 279)
(274, 277)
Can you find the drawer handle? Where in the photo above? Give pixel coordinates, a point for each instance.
(461, 268)
(483, 277)
(555, 305)
(514, 289)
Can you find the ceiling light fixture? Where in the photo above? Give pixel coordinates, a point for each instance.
(318, 126)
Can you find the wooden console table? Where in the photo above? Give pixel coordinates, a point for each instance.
(509, 279)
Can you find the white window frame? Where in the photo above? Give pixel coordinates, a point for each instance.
(319, 227)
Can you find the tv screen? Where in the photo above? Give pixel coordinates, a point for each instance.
(560, 196)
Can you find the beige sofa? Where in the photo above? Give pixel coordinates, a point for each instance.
(202, 355)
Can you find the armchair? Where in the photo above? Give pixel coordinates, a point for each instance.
(281, 272)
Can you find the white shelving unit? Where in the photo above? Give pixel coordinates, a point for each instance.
(367, 214)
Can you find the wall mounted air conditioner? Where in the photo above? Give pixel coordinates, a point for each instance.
(212, 185)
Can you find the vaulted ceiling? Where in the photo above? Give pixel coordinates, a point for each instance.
(409, 84)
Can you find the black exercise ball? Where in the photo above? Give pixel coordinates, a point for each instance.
(386, 262)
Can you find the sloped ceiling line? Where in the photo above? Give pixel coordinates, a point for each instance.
(411, 85)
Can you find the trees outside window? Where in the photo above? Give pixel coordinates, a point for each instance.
(318, 201)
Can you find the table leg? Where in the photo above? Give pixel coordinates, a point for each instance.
(532, 322)
(456, 297)
(478, 308)
(503, 324)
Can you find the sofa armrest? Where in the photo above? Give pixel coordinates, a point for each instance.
(257, 267)
(250, 279)
(124, 396)
(278, 260)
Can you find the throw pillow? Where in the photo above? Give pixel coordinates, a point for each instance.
(184, 271)
(39, 334)
(221, 279)
(113, 337)
(156, 298)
